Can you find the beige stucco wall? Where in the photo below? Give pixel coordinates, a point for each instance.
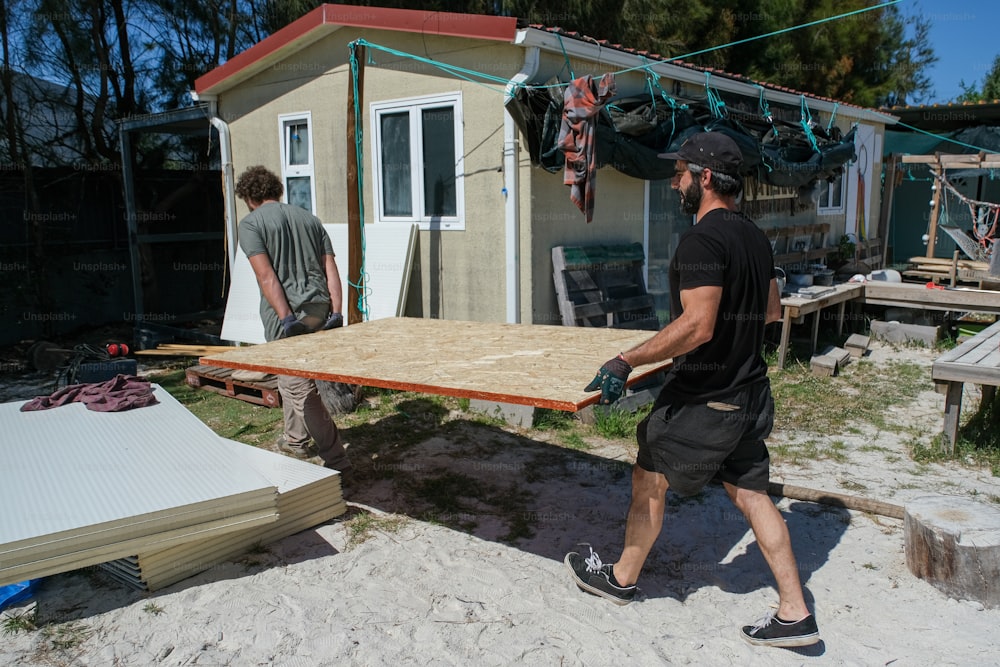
(458, 274)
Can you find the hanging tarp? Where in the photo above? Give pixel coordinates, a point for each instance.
(795, 163)
(632, 131)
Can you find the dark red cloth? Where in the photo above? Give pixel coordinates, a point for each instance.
(582, 101)
(122, 392)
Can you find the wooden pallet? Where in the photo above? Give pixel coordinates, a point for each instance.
(219, 380)
(603, 286)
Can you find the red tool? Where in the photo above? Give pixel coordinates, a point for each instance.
(117, 349)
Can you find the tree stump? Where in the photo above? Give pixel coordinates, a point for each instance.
(954, 544)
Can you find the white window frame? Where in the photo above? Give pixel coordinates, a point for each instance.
(414, 105)
(824, 207)
(297, 170)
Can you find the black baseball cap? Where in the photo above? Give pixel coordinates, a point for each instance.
(715, 150)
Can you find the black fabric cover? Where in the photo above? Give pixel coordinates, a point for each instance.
(631, 132)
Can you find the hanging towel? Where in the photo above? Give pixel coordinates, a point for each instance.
(122, 392)
(582, 101)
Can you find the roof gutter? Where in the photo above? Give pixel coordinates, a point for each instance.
(228, 178)
(512, 189)
(575, 48)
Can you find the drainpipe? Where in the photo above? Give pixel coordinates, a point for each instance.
(228, 179)
(512, 192)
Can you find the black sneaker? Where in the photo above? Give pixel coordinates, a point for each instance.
(595, 577)
(770, 631)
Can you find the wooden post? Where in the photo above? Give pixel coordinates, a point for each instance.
(935, 210)
(354, 221)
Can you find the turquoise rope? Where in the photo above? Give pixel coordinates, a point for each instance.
(772, 34)
(806, 119)
(715, 101)
(566, 63)
(765, 109)
(456, 71)
(943, 138)
(833, 115)
(362, 285)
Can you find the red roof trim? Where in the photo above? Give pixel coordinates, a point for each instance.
(477, 26)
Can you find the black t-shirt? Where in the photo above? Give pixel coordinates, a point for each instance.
(724, 249)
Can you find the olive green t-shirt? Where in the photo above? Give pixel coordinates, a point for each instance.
(296, 243)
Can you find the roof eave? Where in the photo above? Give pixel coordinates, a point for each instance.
(606, 55)
(329, 18)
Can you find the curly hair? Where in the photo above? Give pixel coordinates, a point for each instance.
(259, 184)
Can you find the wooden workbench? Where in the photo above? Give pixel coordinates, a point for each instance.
(524, 364)
(794, 307)
(918, 295)
(977, 360)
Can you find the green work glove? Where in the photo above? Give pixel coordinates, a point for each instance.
(611, 380)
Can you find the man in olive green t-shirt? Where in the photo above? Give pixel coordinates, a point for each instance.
(293, 260)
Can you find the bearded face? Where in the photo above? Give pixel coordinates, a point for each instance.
(691, 196)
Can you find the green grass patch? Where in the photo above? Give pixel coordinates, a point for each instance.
(840, 404)
(362, 526)
(23, 621)
(230, 418)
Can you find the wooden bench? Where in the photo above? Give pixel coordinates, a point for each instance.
(603, 286)
(977, 360)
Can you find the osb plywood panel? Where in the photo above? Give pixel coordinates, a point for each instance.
(525, 364)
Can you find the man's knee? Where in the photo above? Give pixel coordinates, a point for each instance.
(648, 483)
(746, 499)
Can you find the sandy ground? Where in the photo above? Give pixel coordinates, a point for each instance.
(416, 592)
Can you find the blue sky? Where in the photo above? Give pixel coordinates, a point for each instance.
(965, 35)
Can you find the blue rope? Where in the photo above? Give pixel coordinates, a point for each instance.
(765, 110)
(715, 101)
(806, 122)
(456, 71)
(772, 34)
(833, 115)
(566, 63)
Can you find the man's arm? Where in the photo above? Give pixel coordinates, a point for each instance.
(773, 303)
(333, 284)
(694, 327)
(270, 286)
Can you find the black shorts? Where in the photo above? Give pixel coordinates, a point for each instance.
(692, 443)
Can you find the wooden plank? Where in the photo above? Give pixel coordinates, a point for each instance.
(919, 296)
(956, 353)
(970, 264)
(525, 364)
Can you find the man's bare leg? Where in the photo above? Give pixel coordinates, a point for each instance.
(645, 519)
(776, 545)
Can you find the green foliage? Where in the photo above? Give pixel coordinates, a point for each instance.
(990, 90)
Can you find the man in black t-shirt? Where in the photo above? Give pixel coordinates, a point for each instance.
(715, 410)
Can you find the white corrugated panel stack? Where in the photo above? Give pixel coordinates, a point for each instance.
(308, 495)
(81, 488)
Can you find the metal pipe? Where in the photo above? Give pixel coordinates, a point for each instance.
(511, 188)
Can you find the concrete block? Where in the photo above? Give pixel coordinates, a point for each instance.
(857, 345)
(515, 415)
(897, 332)
(954, 544)
(842, 356)
(823, 365)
